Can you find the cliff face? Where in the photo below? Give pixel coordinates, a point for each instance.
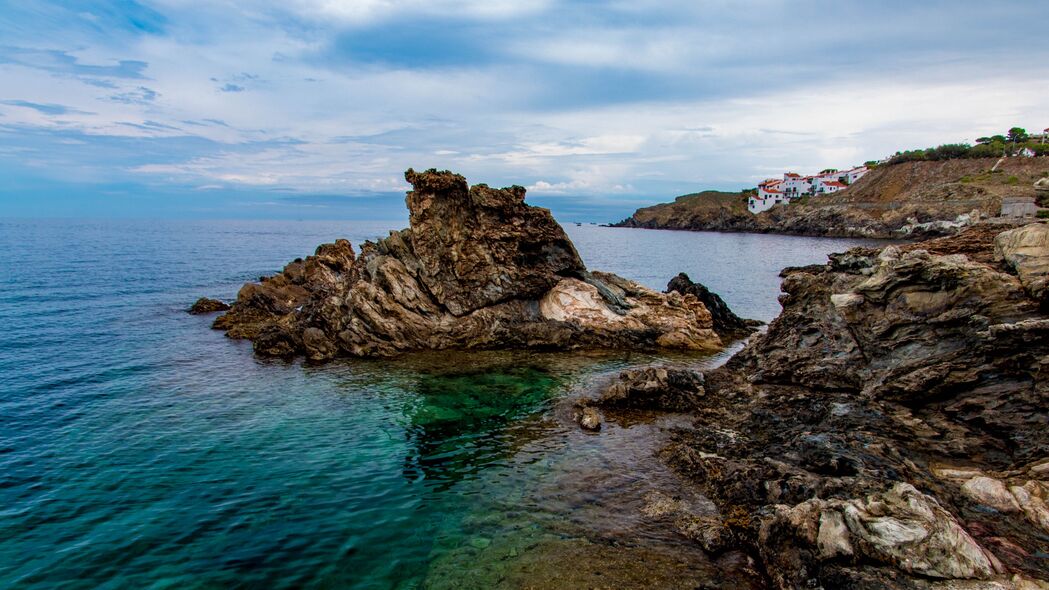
(914, 199)
(889, 430)
(477, 268)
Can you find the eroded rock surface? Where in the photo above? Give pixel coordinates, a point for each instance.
(889, 430)
(726, 323)
(477, 268)
(1026, 251)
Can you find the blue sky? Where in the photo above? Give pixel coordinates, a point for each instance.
(314, 108)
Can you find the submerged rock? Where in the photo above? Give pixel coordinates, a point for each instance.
(654, 388)
(205, 305)
(477, 268)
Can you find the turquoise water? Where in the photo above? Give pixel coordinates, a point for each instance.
(139, 449)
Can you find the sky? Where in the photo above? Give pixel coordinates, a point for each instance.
(314, 108)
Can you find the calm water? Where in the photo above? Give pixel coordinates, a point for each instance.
(139, 449)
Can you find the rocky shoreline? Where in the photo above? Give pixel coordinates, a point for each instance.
(889, 430)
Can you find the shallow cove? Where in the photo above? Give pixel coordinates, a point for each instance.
(140, 449)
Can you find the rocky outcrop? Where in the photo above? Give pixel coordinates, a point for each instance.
(889, 430)
(477, 268)
(725, 322)
(205, 305)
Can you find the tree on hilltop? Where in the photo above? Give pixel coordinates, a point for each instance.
(1017, 135)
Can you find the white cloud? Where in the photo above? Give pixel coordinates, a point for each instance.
(361, 12)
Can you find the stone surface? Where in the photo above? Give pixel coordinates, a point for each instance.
(654, 388)
(588, 419)
(477, 268)
(205, 305)
(1026, 251)
(725, 322)
(889, 429)
(901, 527)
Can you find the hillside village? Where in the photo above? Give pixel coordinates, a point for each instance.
(1017, 142)
(794, 186)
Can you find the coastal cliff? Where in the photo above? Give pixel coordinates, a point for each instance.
(477, 268)
(905, 200)
(889, 430)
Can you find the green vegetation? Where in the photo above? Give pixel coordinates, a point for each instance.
(1012, 180)
(1042, 214)
(994, 146)
(966, 179)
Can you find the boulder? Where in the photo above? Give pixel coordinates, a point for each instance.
(654, 388)
(205, 305)
(900, 527)
(477, 268)
(588, 418)
(1026, 251)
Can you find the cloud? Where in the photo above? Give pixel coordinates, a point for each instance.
(44, 108)
(139, 95)
(61, 62)
(582, 102)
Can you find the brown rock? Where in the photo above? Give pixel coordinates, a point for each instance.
(654, 388)
(588, 418)
(890, 426)
(478, 268)
(205, 305)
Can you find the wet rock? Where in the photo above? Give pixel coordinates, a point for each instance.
(724, 321)
(205, 305)
(317, 345)
(480, 542)
(478, 268)
(588, 418)
(654, 388)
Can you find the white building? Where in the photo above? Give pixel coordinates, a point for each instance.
(825, 186)
(765, 201)
(795, 186)
(774, 192)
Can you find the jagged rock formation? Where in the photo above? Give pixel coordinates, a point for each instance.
(725, 322)
(477, 268)
(889, 430)
(908, 200)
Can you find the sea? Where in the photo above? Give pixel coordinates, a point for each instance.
(141, 449)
